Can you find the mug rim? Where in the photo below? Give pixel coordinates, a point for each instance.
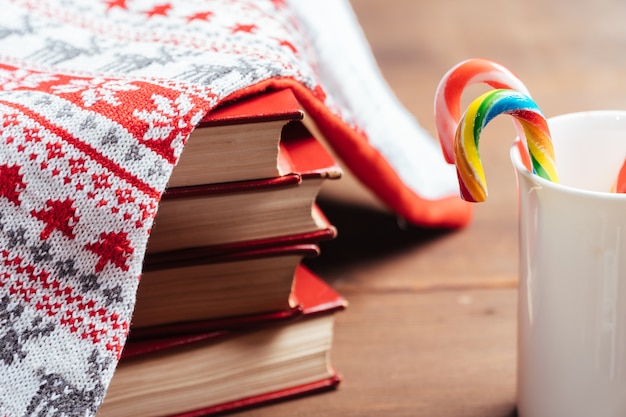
(522, 170)
(568, 189)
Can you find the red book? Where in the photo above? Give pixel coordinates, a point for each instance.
(224, 213)
(238, 141)
(200, 255)
(229, 285)
(205, 374)
(208, 292)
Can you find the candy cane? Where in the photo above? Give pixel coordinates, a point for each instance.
(451, 88)
(479, 113)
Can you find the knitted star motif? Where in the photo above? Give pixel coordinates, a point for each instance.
(97, 101)
(112, 247)
(57, 215)
(96, 105)
(11, 184)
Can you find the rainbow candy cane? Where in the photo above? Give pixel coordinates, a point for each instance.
(479, 113)
(450, 90)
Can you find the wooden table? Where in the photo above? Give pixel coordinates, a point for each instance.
(431, 326)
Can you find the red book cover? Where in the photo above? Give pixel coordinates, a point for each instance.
(239, 140)
(316, 297)
(317, 300)
(268, 106)
(141, 330)
(202, 215)
(304, 245)
(301, 155)
(217, 289)
(268, 398)
(235, 250)
(310, 296)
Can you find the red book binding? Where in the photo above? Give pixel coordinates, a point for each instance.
(175, 279)
(235, 250)
(223, 385)
(310, 294)
(204, 215)
(238, 141)
(268, 106)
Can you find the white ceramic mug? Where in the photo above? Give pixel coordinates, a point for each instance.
(572, 288)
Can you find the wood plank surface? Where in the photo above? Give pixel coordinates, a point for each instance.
(431, 326)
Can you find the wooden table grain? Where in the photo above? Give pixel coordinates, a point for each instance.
(431, 326)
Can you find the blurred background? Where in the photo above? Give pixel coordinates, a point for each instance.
(431, 328)
(570, 54)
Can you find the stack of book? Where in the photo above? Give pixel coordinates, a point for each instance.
(227, 316)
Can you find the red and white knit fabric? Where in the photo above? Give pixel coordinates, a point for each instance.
(97, 99)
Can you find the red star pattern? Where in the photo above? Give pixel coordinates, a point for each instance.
(78, 165)
(11, 185)
(67, 174)
(100, 180)
(200, 16)
(110, 4)
(244, 28)
(124, 196)
(57, 215)
(112, 247)
(55, 150)
(10, 120)
(160, 10)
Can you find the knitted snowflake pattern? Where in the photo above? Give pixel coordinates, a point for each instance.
(97, 99)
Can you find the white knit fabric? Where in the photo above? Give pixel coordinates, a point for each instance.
(97, 98)
(351, 77)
